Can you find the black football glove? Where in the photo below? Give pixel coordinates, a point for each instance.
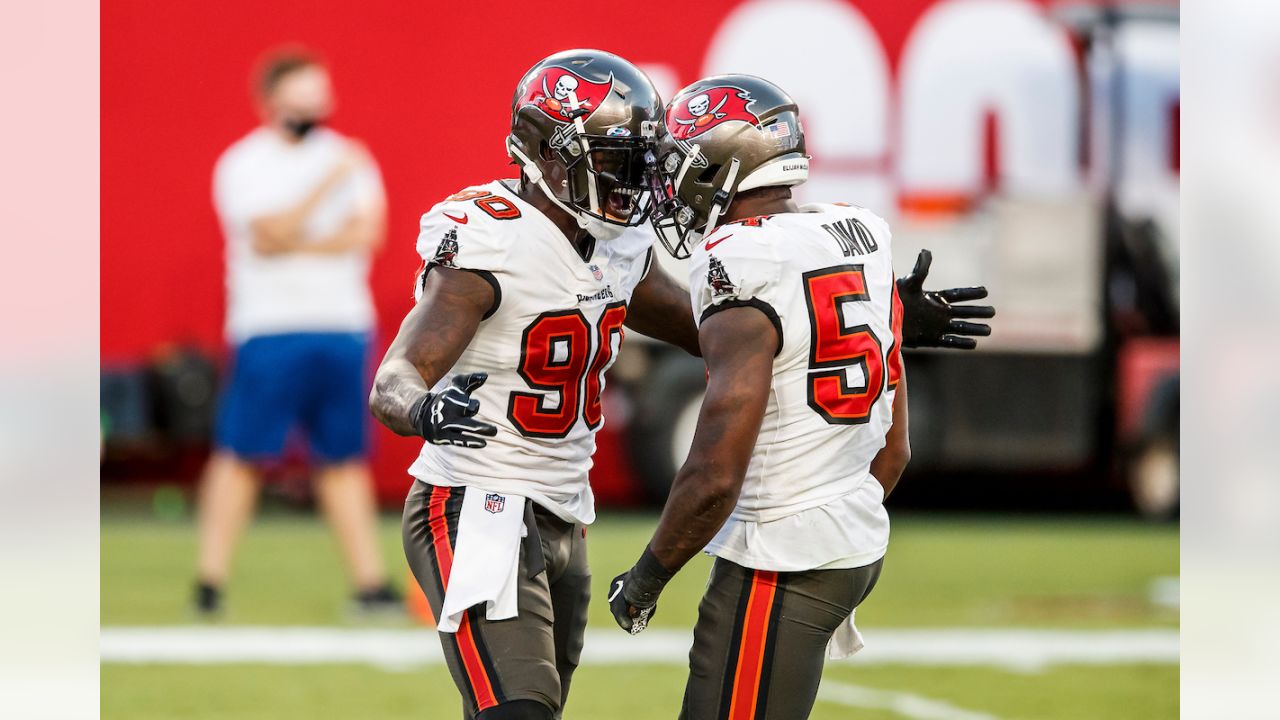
(445, 418)
(930, 319)
(633, 595)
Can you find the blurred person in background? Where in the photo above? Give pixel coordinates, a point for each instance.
(302, 209)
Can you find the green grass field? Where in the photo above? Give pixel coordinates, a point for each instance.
(941, 572)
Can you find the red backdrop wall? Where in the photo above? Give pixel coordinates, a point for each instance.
(426, 85)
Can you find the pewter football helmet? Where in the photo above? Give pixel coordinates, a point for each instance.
(595, 116)
(723, 135)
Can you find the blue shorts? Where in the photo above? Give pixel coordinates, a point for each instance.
(311, 382)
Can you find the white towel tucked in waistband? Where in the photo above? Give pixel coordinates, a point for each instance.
(486, 558)
(846, 640)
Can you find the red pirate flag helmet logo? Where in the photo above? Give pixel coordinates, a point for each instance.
(550, 92)
(699, 112)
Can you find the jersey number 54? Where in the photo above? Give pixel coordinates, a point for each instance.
(834, 347)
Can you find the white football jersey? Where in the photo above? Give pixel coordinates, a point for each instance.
(555, 329)
(824, 277)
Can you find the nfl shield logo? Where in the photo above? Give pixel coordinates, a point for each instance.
(494, 503)
(595, 270)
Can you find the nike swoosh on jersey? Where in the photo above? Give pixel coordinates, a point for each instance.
(461, 221)
(713, 243)
(617, 588)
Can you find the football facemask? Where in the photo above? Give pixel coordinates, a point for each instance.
(611, 179)
(673, 220)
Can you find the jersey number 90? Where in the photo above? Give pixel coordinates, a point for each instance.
(556, 356)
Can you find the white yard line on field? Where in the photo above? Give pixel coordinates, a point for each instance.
(1018, 649)
(908, 705)
(401, 648)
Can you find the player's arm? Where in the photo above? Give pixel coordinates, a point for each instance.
(739, 345)
(660, 308)
(431, 339)
(934, 318)
(891, 461)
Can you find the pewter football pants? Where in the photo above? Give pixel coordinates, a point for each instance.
(528, 657)
(761, 639)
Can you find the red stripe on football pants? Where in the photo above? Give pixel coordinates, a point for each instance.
(755, 630)
(477, 673)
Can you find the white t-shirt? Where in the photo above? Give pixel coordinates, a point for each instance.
(824, 276)
(555, 330)
(262, 174)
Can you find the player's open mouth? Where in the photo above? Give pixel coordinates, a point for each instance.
(621, 203)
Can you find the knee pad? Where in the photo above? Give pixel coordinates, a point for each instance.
(518, 710)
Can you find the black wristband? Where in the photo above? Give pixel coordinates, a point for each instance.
(648, 577)
(418, 414)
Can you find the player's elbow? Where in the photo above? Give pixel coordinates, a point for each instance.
(898, 457)
(716, 490)
(724, 492)
(902, 455)
(376, 397)
(381, 396)
(890, 463)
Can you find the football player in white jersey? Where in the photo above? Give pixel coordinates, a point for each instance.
(526, 287)
(803, 431)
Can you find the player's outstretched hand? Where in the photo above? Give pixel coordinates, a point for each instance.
(933, 319)
(447, 417)
(631, 613)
